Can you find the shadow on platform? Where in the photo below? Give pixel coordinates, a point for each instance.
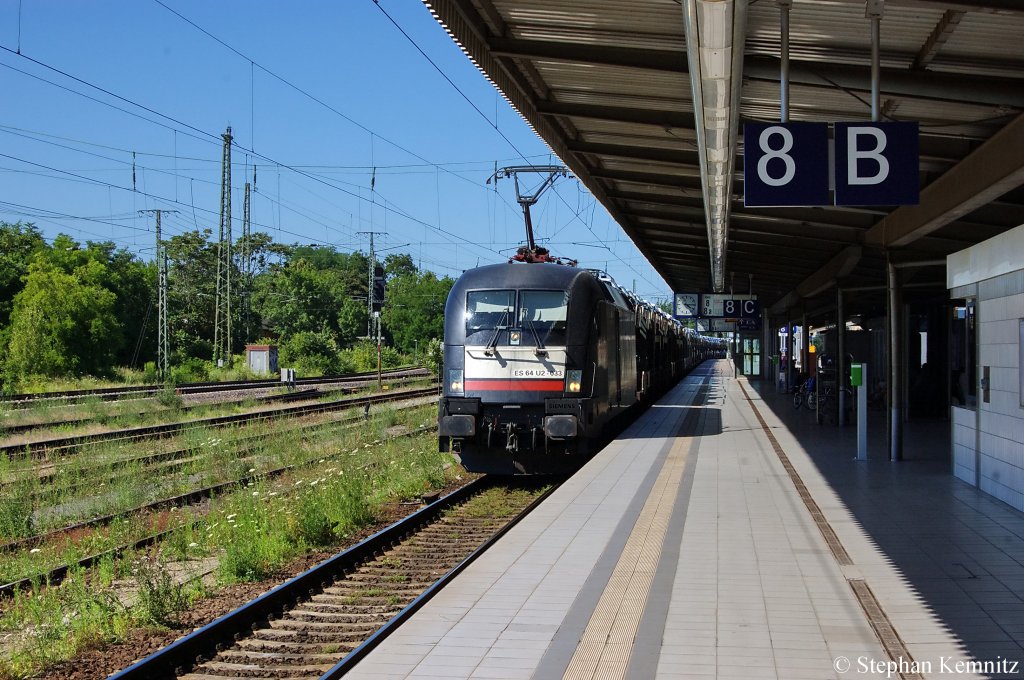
(960, 550)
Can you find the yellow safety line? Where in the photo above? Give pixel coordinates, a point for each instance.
(604, 649)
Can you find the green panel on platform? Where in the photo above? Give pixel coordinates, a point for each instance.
(856, 375)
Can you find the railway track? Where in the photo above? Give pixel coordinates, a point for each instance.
(165, 461)
(323, 621)
(142, 391)
(310, 393)
(57, 574)
(63, 445)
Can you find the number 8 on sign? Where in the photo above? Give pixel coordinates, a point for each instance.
(770, 154)
(785, 164)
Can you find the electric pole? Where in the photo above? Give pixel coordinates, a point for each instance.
(246, 260)
(370, 299)
(222, 307)
(162, 338)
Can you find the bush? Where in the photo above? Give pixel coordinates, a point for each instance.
(17, 510)
(335, 508)
(363, 357)
(311, 353)
(190, 370)
(161, 598)
(433, 355)
(149, 373)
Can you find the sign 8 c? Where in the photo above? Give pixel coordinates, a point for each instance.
(746, 309)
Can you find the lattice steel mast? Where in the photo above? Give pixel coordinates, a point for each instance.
(163, 352)
(222, 310)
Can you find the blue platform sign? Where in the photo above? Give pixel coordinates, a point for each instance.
(876, 164)
(785, 164)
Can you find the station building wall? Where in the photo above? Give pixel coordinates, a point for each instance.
(988, 440)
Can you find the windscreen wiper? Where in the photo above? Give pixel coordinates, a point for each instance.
(493, 343)
(541, 351)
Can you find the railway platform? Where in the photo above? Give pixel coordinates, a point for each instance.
(723, 535)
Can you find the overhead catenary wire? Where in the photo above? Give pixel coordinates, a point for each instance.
(492, 124)
(393, 208)
(373, 133)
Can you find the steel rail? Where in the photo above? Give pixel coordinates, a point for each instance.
(56, 575)
(311, 393)
(202, 643)
(167, 429)
(195, 388)
(182, 456)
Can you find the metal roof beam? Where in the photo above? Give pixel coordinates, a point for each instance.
(987, 6)
(643, 153)
(826, 277)
(618, 114)
(997, 166)
(691, 181)
(926, 85)
(940, 34)
(577, 53)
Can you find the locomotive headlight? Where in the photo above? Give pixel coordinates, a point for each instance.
(573, 380)
(455, 381)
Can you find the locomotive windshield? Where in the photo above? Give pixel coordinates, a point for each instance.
(486, 312)
(540, 314)
(544, 312)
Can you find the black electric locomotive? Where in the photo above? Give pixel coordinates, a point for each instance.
(540, 359)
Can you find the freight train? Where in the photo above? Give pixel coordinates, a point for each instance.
(542, 360)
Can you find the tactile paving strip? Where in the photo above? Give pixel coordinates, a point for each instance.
(607, 642)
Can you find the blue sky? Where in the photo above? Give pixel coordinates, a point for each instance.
(65, 157)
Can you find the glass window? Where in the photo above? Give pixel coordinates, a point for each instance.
(1020, 360)
(543, 312)
(486, 312)
(963, 355)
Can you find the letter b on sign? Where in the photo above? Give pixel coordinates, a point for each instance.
(876, 164)
(785, 164)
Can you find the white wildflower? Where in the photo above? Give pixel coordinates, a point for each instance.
(255, 493)
(193, 544)
(233, 515)
(35, 550)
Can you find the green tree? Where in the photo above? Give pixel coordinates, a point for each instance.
(63, 324)
(315, 289)
(19, 244)
(192, 289)
(132, 281)
(399, 264)
(414, 311)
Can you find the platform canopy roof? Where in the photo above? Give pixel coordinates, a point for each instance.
(608, 85)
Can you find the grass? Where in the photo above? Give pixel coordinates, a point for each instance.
(96, 414)
(253, 531)
(215, 459)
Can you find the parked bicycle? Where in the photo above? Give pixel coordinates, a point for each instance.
(805, 394)
(824, 402)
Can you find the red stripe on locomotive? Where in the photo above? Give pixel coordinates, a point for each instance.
(509, 385)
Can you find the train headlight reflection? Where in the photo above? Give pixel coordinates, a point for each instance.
(573, 380)
(455, 385)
